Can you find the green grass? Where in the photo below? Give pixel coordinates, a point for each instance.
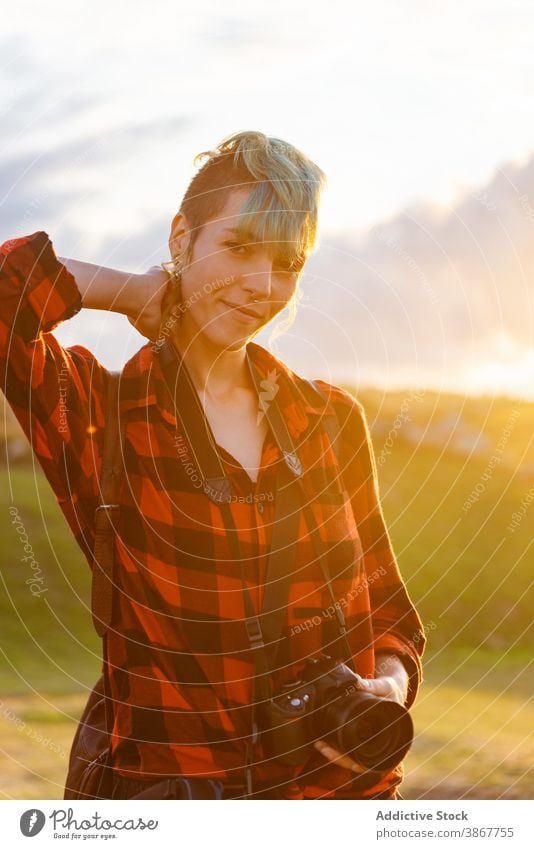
(465, 570)
(48, 641)
(474, 719)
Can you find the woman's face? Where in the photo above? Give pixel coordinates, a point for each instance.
(230, 290)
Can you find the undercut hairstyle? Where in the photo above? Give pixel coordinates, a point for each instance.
(282, 207)
(283, 204)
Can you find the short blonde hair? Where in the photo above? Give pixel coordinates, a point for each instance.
(283, 204)
(282, 207)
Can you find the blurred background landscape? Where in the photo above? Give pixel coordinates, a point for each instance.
(419, 299)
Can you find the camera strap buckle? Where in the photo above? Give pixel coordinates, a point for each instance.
(254, 633)
(340, 616)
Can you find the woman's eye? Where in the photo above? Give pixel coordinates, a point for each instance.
(237, 248)
(290, 267)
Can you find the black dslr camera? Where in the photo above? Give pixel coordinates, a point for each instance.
(326, 703)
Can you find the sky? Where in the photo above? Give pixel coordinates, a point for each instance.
(417, 111)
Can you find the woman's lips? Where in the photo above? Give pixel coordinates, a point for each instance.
(242, 314)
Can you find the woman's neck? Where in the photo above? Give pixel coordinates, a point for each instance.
(215, 373)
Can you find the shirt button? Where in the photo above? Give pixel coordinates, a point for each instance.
(260, 507)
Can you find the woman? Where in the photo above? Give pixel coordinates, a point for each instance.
(180, 665)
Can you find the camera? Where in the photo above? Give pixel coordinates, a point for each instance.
(327, 703)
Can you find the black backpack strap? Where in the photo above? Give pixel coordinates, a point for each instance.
(106, 514)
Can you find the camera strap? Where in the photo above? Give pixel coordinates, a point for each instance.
(278, 426)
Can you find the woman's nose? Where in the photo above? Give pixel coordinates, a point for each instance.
(258, 282)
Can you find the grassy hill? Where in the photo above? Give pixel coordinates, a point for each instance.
(455, 477)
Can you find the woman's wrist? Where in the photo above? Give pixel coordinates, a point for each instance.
(109, 289)
(389, 664)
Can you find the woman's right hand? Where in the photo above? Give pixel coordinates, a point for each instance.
(140, 297)
(145, 310)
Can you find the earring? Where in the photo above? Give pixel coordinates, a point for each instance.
(174, 267)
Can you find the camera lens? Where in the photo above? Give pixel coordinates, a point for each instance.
(375, 732)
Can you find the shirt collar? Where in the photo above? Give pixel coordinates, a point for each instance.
(143, 385)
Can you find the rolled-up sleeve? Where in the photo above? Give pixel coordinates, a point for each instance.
(37, 291)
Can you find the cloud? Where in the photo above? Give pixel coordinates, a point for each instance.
(45, 161)
(428, 293)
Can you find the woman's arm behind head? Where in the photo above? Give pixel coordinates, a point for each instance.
(57, 394)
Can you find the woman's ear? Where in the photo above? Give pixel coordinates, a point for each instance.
(180, 235)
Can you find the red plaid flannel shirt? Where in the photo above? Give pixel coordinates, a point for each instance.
(179, 659)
